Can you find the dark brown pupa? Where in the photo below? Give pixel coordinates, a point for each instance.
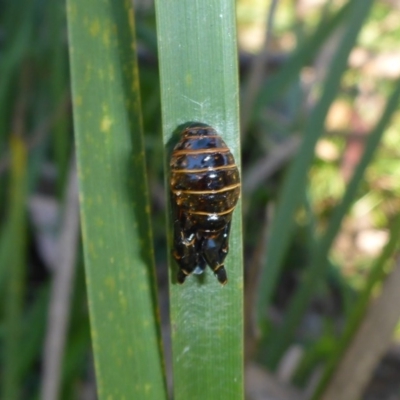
(205, 187)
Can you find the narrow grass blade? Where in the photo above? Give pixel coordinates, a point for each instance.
(59, 83)
(293, 189)
(198, 70)
(18, 41)
(279, 82)
(303, 295)
(114, 201)
(15, 273)
(33, 331)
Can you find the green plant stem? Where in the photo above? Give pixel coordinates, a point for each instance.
(15, 274)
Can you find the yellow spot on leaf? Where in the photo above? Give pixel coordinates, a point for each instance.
(99, 222)
(110, 283)
(111, 73)
(123, 301)
(106, 38)
(101, 74)
(106, 124)
(92, 249)
(95, 27)
(88, 72)
(71, 10)
(78, 100)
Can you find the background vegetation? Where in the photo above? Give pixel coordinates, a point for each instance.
(320, 153)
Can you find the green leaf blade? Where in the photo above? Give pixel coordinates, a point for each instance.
(199, 83)
(114, 201)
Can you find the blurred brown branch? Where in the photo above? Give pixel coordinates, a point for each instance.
(369, 344)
